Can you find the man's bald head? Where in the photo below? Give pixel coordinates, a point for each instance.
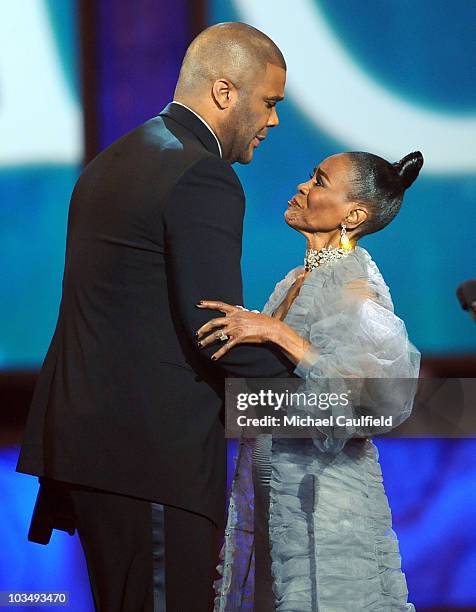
(234, 51)
(233, 76)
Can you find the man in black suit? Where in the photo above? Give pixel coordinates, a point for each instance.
(125, 429)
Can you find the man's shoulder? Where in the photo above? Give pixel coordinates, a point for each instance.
(167, 155)
(211, 169)
(156, 137)
(179, 147)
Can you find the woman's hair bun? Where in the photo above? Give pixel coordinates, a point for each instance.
(408, 168)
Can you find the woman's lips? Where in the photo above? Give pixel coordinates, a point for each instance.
(293, 203)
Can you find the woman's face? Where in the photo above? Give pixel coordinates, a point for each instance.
(321, 203)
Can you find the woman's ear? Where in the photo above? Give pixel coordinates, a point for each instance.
(223, 93)
(356, 217)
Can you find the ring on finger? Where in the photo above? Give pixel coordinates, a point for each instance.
(222, 336)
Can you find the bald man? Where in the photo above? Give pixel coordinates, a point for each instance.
(126, 427)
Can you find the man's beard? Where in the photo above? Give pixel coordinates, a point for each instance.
(238, 132)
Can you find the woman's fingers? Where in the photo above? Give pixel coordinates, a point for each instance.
(225, 348)
(214, 323)
(211, 338)
(211, 325)
(216, 305)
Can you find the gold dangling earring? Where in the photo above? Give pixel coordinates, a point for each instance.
(344, 243)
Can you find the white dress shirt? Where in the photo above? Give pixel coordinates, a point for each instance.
(203, 121)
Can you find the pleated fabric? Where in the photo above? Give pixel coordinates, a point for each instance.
(332, 545)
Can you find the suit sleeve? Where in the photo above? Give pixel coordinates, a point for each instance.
(203, 219)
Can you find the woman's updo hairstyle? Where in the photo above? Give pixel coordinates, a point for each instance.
(381, 185)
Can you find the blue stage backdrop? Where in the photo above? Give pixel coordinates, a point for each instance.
(41, 149)
(371, 75)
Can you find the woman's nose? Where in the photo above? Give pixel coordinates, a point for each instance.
(303, 188)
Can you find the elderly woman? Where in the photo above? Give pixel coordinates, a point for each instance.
(320, 536)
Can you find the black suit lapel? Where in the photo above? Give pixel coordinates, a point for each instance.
(182, 115)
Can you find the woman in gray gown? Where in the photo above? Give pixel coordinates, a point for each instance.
(309, 526)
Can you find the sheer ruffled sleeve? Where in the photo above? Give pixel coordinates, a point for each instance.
(359, 348)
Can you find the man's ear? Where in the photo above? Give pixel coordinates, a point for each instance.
(223, 92)
(356, 217)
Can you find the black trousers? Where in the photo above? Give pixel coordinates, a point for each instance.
(141, 556)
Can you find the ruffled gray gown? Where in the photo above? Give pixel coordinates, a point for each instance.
(316, 515)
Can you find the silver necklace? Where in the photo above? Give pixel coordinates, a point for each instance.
(314, 258)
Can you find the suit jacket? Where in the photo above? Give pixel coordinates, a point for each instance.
(125, 400)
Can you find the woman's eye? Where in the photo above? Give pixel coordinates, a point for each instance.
(317, 179)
